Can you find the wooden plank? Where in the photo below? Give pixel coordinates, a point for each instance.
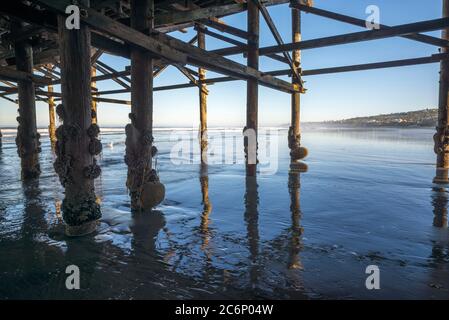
(362, 23)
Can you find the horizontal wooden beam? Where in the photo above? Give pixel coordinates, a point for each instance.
(378, 65)
(221, 26)
(14, 75)
(219, 36)
(400, 30)
(206, 13)
(362, 23)
(368, 66)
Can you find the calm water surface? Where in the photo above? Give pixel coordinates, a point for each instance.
(366, 199)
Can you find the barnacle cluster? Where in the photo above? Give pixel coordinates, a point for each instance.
(28, 148)
(143, 182)
(83, 210)
(95, 146)
(294, 143)
(441, 139)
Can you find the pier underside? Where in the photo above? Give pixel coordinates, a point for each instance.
(42, 47)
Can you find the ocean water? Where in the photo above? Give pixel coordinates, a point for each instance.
(366, 199)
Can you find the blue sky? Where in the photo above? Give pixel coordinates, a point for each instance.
(329, 97)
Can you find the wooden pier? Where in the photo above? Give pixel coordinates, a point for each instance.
(38, 52)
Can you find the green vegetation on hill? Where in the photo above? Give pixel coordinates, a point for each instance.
(421, 118)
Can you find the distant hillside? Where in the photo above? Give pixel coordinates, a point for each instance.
(421, 118)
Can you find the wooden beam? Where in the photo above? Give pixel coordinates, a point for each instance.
(424, 26)
(221, 26)
(377, 65)
(399, 30)
(17, 75)
(219, 36)
(206, 13)
(362, 23)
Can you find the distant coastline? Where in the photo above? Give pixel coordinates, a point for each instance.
(425, 118)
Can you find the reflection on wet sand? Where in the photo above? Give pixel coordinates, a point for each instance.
(440, 198)
(294, 186)
(207, 208)
(252, 226)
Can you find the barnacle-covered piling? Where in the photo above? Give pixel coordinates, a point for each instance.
(441, 137)
(145, 189)
(27, 140)
(77, 137)
(297, 152)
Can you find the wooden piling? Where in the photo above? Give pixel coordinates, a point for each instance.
(294, 134)
(51, 118)
(27, 140)
(94, 103)
(441, 137)
(203, 101)
(77, 142)
(143, 182)
(252, 90)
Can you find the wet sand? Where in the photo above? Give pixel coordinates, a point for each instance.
(367, 199)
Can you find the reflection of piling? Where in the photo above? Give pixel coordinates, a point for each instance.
(77, 142)
(27, 140)
(207, 207)
(252, 223)
(440, 199)
(441, 137)
(294, 185)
